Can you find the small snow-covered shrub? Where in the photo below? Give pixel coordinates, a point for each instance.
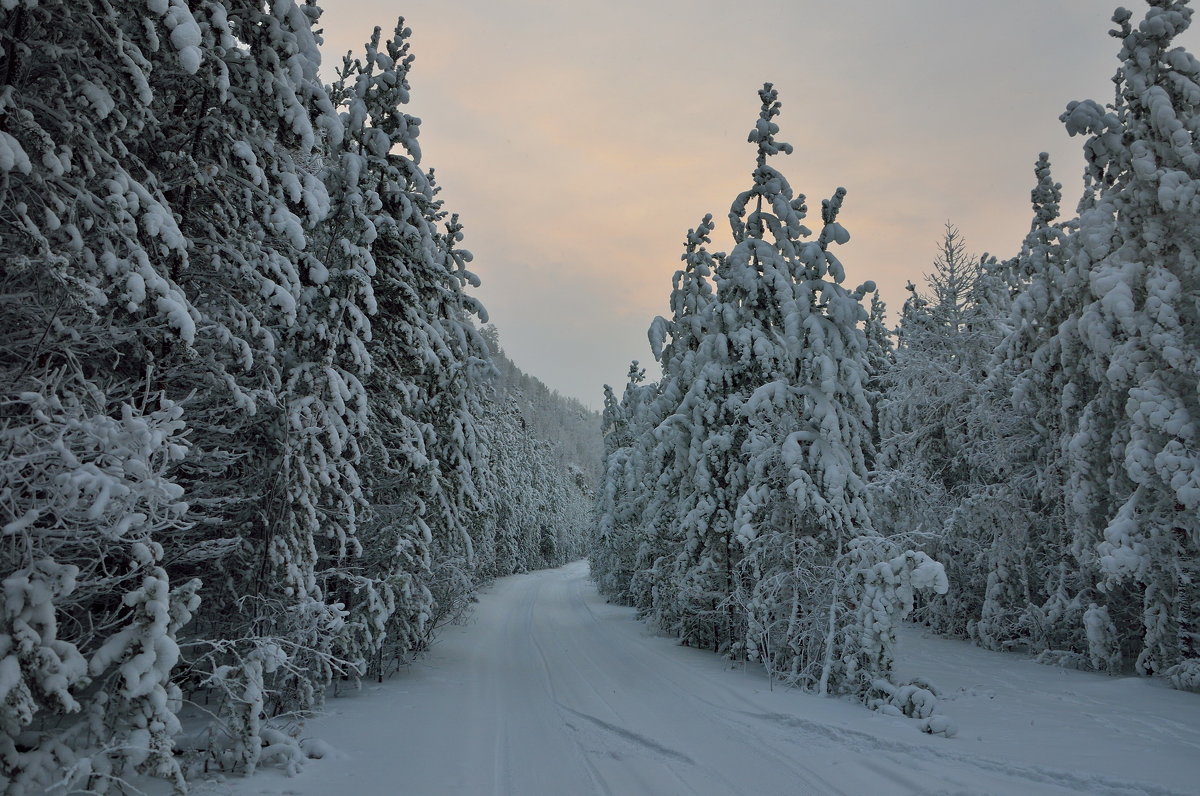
(881, 587)
(1103, 648)
(282, 749)
(917, 700)
(316, 749)
(1185, 676)
(939, 725)
(1064, 658)
(910, 700)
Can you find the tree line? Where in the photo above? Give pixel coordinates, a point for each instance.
(1018, 463)
(254, 440)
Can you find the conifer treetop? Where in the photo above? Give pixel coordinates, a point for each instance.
(776, 211)
(764, 130)
(1156, 85)
(1046, 195)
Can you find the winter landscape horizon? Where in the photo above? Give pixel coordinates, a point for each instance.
(535, 399)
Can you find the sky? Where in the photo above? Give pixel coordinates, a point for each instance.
(579, 141)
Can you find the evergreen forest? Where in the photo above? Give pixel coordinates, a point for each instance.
(259, 440)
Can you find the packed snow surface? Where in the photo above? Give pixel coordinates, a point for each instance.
(549, 691)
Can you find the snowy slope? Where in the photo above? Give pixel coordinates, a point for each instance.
(549, 691)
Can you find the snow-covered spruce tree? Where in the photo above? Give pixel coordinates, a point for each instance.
(525, 472)
(504, 510)
(1033, 355)
(810, 561)
(89, 616)
(1130, 353)
(1018, 467)
(880, 356)
(577, 501)
(690, 598)
(623, 492)
(451, 403)
(272, 394)
(647, 436)
(665, 446)
(382, 217)
(768, 547)
(328, 415)
(924, 469)
(707, 378)
(991, 515)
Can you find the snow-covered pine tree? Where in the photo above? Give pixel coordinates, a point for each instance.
(647, 450)
(1130, 353)
(523, 497)
(503, 507)
(536, 484)
(691, 599)
(452, 403)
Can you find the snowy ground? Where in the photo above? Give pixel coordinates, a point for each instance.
(549, 691)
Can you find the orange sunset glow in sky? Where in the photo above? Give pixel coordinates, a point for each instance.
(580, 141)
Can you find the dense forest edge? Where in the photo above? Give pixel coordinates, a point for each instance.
(1018, 463)
(258, 440)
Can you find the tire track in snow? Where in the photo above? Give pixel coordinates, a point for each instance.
(904, 753)
(633, 737)
(574, 599)
(660, 673)
(599, 784)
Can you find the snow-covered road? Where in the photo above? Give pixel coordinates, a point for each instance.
(549, 691)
